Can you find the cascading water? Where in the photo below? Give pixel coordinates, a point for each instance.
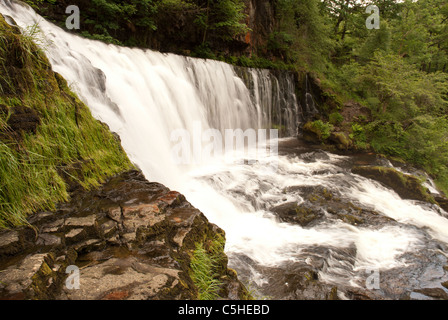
(145, 96)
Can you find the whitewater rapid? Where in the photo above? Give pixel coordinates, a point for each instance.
(144, 96)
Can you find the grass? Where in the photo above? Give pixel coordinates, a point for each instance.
(204, 266)
(69, 145)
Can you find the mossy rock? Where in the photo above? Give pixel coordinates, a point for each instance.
(341, 140)
(302, 214)
(406, 186)
(314, 133)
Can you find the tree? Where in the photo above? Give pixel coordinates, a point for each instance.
(221, 19)
(402, 90)
(303, 32)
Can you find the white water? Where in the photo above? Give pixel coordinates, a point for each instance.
(144, 96)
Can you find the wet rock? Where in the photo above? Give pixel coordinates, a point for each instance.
(319, 204)
(52, 227)
(292, 281)
(442, 202)
(75, 235)
(108, 229)
(436, 293)
(130, 239)
(10, 243)
(315, 156)
(445, 284)
(406, 186)
(48, 240)
(34, 276)
(300, 214)
(136, 216)
(81, 222)
(362, 294)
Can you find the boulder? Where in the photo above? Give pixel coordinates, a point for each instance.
(406, 186)
(341, 140)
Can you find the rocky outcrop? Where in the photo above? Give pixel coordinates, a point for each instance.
(406, 186)
(320, 204)
(128, 239)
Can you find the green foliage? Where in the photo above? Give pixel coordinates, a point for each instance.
(68, 141)
(403, 91)
(336, 118)
(321, 129)
(422, 142)
(137, 22)
(400, 73)
(359, 137)
(302, 34)
(204, 266)
(226, 18)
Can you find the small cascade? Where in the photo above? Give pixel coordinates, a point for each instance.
(309, 100)
(274, 94)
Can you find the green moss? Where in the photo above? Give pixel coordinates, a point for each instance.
(321, 129)
(407, 186)
(336, 118)
(68, 147)
(342, 141)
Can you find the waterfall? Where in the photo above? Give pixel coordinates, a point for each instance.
(309, 100)
(145, 96)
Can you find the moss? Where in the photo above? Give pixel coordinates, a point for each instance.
(321, 130)
(350, 219)
(407, 186)
(305, 215)
(341, 140)
(67, 148)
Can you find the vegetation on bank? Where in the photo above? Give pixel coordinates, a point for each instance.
(205, 268)
(400, 73)
(49, 141)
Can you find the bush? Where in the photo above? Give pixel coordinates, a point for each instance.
(320, 128)
(336, 118)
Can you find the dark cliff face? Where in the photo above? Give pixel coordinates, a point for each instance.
(262, 22)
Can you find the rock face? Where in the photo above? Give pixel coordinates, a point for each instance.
(129, 239)
(261, 22)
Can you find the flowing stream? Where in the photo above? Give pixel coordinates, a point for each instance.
(146, 96)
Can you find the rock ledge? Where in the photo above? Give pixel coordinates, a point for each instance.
(129, 239)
